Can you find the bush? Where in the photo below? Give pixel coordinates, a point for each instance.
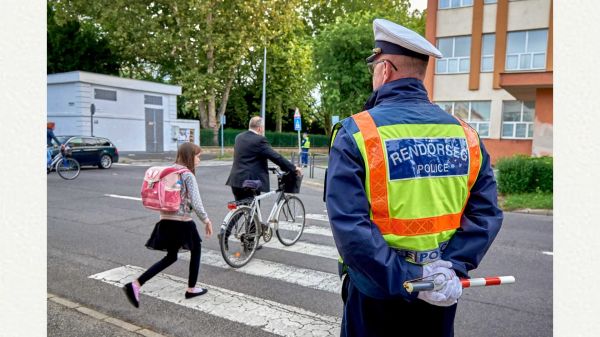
(523, 174)
(277, 139)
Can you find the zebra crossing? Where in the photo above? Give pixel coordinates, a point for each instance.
(233, 304)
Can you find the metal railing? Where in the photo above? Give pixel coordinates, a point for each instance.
(317, 160)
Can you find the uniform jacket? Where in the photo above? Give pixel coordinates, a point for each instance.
(374, 268)
(250, 154)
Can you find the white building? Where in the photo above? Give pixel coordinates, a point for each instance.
(135, 115)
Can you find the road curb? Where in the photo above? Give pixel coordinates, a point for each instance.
(103, 317)
(547, 212)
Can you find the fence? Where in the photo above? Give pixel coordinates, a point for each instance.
(277, 139)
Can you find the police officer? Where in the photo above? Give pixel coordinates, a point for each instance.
(305, 148)
(410, 193)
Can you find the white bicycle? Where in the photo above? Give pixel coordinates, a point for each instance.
(243, 226)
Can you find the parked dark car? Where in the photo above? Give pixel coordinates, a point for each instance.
(93, 151)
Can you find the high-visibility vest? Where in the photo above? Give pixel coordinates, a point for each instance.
(306, 143)
(418, 179)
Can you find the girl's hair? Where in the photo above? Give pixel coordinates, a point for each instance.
(186, 153)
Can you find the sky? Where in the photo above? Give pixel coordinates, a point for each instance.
(418, 4)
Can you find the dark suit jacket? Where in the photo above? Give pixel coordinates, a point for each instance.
(250, 155)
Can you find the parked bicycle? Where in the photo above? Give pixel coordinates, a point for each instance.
(66, 167)
(243, 226)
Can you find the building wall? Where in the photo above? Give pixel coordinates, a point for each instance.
(522, 15)
(122, 121)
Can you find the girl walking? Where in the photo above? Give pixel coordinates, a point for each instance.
(177, 230)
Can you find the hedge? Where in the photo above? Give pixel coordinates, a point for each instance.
(277, 139)
(523, 174)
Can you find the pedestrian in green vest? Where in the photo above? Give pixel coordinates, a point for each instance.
(305, 148)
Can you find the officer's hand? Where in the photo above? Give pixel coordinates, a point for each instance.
(298, 171)
(447, 285)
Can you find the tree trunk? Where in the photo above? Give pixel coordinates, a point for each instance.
(203, 114)
(225, 96)
(278, 117)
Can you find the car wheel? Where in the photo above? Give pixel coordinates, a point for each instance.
(105, 161)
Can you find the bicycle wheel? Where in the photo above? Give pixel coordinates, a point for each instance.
(239, 240)
(291, 220)
(68, 168)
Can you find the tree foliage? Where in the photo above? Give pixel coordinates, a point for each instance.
(73, 46)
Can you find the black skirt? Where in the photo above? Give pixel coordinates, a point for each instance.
(173, 234)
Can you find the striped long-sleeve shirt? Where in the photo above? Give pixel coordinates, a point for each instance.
(191, 200)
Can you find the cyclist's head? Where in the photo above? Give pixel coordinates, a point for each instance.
(186, 154)
(256, 124)
(50, 125)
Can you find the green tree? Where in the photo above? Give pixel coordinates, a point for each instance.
(73, 46)
(340, 50)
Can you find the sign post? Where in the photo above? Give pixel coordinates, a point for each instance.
(298, 127)
(92, 112)
(223, 120)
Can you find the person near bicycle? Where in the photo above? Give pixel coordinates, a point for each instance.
(49, 137)
(177, 230)
(251, 153)
(410, 193)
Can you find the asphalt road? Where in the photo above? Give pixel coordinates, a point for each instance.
(92, 234)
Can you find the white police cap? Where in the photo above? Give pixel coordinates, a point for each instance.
(392, 38)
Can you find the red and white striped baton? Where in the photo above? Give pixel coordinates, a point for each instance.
(466, 283)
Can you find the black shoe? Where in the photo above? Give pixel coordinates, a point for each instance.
(189, 295)
(131, 295)
(259, 247)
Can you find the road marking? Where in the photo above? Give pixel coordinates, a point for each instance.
(329, 252)
(548, 253)
(320, 217)
(122, 197)
(309, 278)
(317, 230)
(270, 316)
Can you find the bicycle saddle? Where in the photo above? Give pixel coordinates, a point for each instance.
(252, 184)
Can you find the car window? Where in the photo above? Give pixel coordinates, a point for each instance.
(90, 142)
(76, 142)
(103, 142)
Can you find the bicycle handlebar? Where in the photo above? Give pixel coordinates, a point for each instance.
(465, 282)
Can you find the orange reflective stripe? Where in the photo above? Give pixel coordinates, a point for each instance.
(377, 170)
(474, 152)
(422, 226)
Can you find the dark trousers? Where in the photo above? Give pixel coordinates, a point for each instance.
(242, 193)
(304, 156)
(169, 260)
(366, 316)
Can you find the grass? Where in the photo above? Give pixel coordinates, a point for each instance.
(511, 202)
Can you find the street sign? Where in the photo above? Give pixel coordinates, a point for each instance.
(297, 124)
(223, 120)
(297, 120)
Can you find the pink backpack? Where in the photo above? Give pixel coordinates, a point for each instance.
(161, 189)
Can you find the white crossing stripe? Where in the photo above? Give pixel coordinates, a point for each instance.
(548, 253)
(320, 217)
(282, 272)
(307, 229)
(270, 316)
(313, 249)
(317, 230)
(122, 197)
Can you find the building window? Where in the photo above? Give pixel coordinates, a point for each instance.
(487, 52)
(445, 4)
(490, 1)
(456, 51)
(109, 95)
(526, 50)
(517, 119)
(153, 100)
(476, 113)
